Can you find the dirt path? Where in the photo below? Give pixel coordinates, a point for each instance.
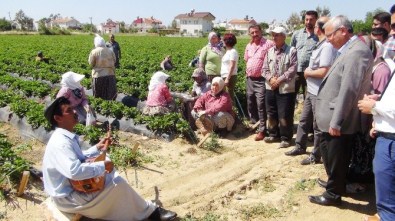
(246, 180)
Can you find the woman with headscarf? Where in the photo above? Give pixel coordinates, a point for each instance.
(159, 99)
(213, 110)
(211, 55)
(201, 84)
(102, 60)
(75, 93)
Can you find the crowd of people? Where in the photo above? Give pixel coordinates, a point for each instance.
(347, 88)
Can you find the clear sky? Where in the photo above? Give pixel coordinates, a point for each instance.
(128, 10)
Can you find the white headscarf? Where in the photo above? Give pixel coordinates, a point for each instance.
(220, 82)
(99, 41)
(71, 80)
(156, 79)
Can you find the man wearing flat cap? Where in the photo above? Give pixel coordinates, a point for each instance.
(65, 161)
(279, 69)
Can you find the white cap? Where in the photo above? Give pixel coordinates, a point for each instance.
(279, 30)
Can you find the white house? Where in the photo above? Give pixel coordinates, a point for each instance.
(65, 23)
(110, 27)
(241, 25)
(145, 24)
(195, 23)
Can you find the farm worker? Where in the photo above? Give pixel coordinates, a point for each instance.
(40, 57)
(114, 46)
(195, 61)
(75, 93)
(64, 160)
(102, 61)
(159, 99)
(211, 55)
(213, 110)
(167, 64)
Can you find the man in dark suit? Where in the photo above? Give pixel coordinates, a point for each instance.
(337, 112)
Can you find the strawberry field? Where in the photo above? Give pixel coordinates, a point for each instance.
(141, 57)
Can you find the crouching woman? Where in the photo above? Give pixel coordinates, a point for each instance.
(213, 110)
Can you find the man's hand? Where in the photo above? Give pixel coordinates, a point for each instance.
(102, 144)
(201, 113)
(109, 166)
(226, 81)
(273, 83)
(334, 132)
(366, 104)
(307, 72)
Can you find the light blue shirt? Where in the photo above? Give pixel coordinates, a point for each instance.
(323, 56)
(64, 160)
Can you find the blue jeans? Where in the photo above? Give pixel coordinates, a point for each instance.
(384, 171)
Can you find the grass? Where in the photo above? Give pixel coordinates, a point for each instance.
(207, 217)
(261, 210)
(212, 144)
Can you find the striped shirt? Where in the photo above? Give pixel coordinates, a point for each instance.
(254, 56)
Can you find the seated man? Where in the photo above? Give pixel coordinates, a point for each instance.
(213, 110)
(64, 161)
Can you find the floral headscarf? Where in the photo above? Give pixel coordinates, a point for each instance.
(217, 47)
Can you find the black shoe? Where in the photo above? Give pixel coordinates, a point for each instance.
(322, 183)
(310, 160)
(321, 200)
(270, 139)
(161, 214)
(284, 144)
(295, 151)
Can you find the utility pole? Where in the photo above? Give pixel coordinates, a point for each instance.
(9, 15)
(91, 24)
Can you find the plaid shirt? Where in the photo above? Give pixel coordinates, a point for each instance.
(304, 44)
(390, 44)
(254, 56)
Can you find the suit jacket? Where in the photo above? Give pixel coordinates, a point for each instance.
(346, 82)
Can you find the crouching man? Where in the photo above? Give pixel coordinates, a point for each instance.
(64, 162)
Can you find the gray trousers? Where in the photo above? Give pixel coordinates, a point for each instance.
(256, 101)
(307, 118)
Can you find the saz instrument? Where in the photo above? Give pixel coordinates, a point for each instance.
(93, 184)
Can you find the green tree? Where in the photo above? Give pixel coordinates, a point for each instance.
(42, 26)
(264, 25)
(5, 25)
(294, 21)
(88, 28)
(122, 27)
(174, 24)
(24, 21)
(324, 11)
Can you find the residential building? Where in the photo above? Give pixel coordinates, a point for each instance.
(110, 27)
(146, 24)
(241, 25)
(195, 23)
(65, 23)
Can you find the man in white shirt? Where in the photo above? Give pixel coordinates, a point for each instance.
(383, 111)
(64, 161)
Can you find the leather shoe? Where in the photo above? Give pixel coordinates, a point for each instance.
(161, 214)
(322, 183)
(321, 200)
(295, 151)
(260, 136)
